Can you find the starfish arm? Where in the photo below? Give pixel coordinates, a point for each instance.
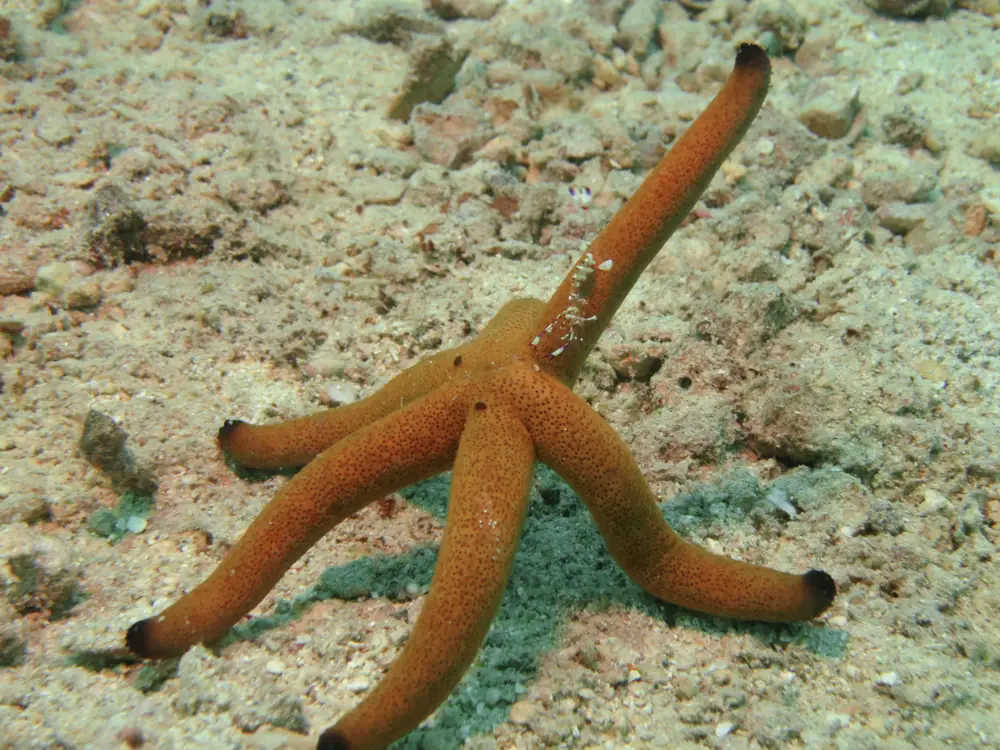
(583, 305)
(578, 444)
(295, 442)
(410, 444)
(489, 491)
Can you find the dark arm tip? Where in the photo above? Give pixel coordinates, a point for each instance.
(135, 638)
(227, 428)
(332, 739)
(752, 56)
(823, 587)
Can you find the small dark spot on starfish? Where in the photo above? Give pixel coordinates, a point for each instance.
(331, 739)
(458, 360)
(684, 382)
(480, 406)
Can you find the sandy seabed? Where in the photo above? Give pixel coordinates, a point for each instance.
(212, 210)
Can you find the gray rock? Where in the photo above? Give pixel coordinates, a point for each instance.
(430, 77)
(37, 573)
(103, 444)
(637, 26)
(899, 217)
(914, 185)
(831, 112)
(987, 146)
(23, 505)
(904, 127)
(114, 228)
(83, 294)
(376, 189)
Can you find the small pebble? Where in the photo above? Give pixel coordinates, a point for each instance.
(275, 666)
(522, 712)
(932, 370)
(899, 217)
(987, 146)
(724, 728)
(831, 113)
(836, 722)
(135, 524)
(83, 294)
(933, 502)
(684, 688)
(342, 393)
(132, 737)
(888, 679)
(778, 497)
(357, 685)
(53, 278)
(326, 365)
(991, 200)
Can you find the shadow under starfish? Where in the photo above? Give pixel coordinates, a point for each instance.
(561, 567)
(489, 409)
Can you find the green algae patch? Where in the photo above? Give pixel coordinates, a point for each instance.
(127, 517)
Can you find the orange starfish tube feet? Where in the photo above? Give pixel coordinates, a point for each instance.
(489, 409)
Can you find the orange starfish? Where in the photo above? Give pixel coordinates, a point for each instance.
(489, 409)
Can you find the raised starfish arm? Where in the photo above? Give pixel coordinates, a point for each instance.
(488, 503)
(585, 451)
(583, 305)
(408, 445)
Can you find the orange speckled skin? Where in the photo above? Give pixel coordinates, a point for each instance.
(489, 409)
(610, 266)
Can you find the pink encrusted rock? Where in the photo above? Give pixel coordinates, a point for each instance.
(448, 134)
